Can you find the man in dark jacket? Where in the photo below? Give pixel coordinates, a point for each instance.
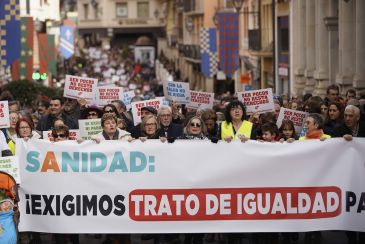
(352, 126)
(56, 111)
(167, 128)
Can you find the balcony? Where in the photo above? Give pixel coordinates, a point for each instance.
(190, 51)
(254, 42)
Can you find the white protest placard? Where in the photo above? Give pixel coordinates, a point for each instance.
(164, 101)
(136, 108)
(80, 87)
(127, 98)
(89, 127)
(105, 95)
(177, 91)
(257, 101)
(72, 135)
(201, 100)
(10, 165)
(298, 118)
(4, 114)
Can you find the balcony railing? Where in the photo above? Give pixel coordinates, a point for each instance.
(254, 41)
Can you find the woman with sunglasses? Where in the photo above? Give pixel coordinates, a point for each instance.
(91, 112)
(60, 133)
(195, 129)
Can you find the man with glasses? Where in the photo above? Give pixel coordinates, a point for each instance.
(167, 128)
(56, 111)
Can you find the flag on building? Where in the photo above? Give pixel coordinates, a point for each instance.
(208, 51)
(67, 48)
(47, 54)
(9, 31)
(23, 68)
(228, 42)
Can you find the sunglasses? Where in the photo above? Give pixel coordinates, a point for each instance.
(195, 125)
(59, 135)
(92, 114)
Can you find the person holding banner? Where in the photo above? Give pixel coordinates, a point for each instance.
(314, 124)
(168, 129)
(287, 131)
(111, 131)
(334, 117)
(194, 129)
(24, 129)
(150, 128)
(235, 126)
(210, 120)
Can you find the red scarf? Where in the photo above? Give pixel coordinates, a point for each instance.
(316, 134)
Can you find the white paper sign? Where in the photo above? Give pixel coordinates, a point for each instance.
(10, 165)
(136, 108)
(177, 91)
(259, 101)
(72, 135)
(4, 114)
(298, 118)
(127, 98)
(89, 127)
(79, 87)
(201, 100)
(104, 95)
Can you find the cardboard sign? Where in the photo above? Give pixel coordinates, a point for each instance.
(4, 114)
(10, 165)
(136, 108)
(89, 127)
(79, 87)
(257, 101)
(201, 100)
(177, 91)
(105, 95)
(73, 135)
(127, 98)
(298, 118)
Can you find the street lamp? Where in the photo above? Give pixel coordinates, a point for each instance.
(237, 4)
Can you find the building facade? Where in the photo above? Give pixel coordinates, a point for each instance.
(328, 46)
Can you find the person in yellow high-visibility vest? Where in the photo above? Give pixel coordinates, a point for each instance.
(314, 124)
(235, 126)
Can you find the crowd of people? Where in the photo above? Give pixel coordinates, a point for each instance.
(331, 117)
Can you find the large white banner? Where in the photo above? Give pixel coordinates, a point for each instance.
(191, 186)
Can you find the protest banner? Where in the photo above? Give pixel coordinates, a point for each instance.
(4, 114)
(104, 95)
(127, 98)
(257, 101)
(72, 135)
(80, 87)
(154, 187)
(177, 91)
(137, 106)
(10, 165)
(298, 118)
(201, 100)
(89, 127)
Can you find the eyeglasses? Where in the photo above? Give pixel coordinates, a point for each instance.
(92, 114)
(195, 125)
(58, 135)
(150, 124)
(108, 111)
(24, 127)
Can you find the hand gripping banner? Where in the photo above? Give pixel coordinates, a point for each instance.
(191, 186)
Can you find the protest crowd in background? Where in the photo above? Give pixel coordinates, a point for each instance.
(222, 117)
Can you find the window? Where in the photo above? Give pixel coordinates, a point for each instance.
(121, 10)
(96, 11)
(143, 10)
(86, 11)
(228, 4)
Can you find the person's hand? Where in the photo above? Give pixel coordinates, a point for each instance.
(130, 139)
(83, 102)
(171, 139)
(143, 139)
(163, 139)
(214, 139)
(79, 140)
(228, 139)
(243, 138)
(347, 137)
(290, 140)
(281, 140)
(97, 140)
(322, 138)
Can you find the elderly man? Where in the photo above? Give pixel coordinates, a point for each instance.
(168, 128)
(352, 126)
